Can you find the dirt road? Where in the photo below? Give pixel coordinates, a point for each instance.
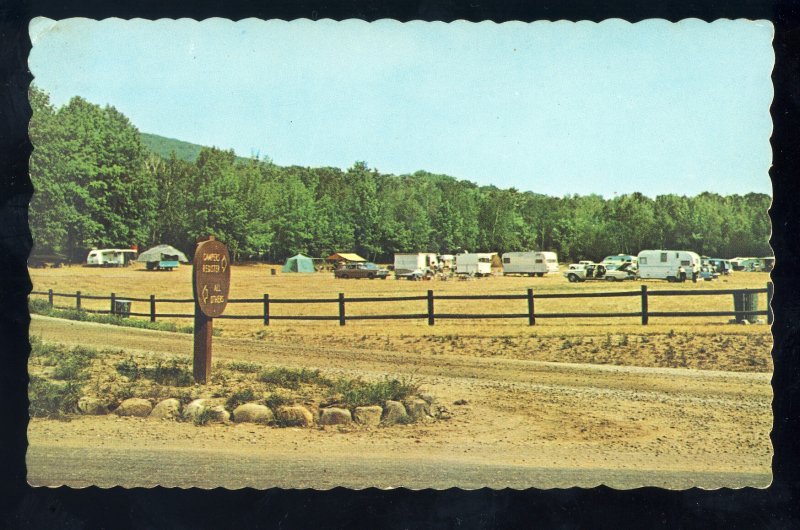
(526, 423)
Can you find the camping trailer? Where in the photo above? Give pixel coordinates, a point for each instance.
(424, 262)
(530, 263)
(665, 264)
(616, 261)
(478, 264)
(110, 257)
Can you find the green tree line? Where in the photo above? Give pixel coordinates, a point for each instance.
(97, 185)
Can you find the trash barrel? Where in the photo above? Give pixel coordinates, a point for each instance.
(122, 308)
(745, 301)
(272, 272)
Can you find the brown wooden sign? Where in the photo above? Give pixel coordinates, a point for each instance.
(212, 277)
(211, 280)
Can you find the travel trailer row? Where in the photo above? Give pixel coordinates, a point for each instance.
(478, 264)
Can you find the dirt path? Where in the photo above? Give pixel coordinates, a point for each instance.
(527, 423)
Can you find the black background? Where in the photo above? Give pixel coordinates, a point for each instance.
(25, 507)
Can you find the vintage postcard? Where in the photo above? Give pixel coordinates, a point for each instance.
(312, 254)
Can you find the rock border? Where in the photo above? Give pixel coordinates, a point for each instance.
(201, 411)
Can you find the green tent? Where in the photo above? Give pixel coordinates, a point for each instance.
(298, 263)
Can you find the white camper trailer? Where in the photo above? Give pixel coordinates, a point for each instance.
(666, 264)
(110, 257)
(530, 263)
(419, 263)
(478, 264)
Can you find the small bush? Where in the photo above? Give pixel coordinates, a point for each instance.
(203, 417)
(71, 364)
(276, 400)
(128, 368)
(49, 399)
(358, 393)
(292, 378)
(239, 397)
(173, 373)
(243, 367)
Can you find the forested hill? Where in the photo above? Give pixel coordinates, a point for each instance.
(100, 183)
(163, 146)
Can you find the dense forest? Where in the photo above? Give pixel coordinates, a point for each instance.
(99, 185)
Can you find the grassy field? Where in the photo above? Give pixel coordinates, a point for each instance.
(705, 342)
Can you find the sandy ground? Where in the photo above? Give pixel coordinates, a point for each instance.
(527, 423)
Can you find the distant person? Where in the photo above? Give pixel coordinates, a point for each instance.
(695, 274)
(682, 273)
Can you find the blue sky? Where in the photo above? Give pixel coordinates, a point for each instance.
(551, 107)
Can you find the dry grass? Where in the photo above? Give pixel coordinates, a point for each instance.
(706, 343)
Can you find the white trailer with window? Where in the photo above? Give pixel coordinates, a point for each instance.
(421, 262)
(478, 264)
(530, 263)
(666, 264)
(110, 257)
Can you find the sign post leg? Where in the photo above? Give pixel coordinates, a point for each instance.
(203, 327)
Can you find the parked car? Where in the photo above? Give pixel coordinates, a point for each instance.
(361, 270)
(580, 272)
(708, 273)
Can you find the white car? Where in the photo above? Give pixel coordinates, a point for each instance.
(580, 272)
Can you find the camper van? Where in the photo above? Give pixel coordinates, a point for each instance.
(530, 263)
(614, 262)
(110, 257)
(424, 263)
(478, 264)
(666, 264)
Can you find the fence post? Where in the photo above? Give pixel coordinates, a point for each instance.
(113, 303)
(50, 297)
(645, 316)
(770, 292)
(341, 309)
(266, 309)
(77, 299)
(531, 317)
(430, 307)
(152, 308)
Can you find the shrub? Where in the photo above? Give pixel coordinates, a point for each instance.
(71, 364)
(49, 399)
(203, 417)
(292, 378)
(128, 368)
(243, 367)
(173, 373)
(276, 400)
(239, 397)
(358, 393)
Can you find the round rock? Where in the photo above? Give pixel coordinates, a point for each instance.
(335, 416)
(294, 416)
(197, 407)
(169, 409)
(92, 405)
(394, 412)
(370, 416)
(418, 408)
(134, 407)
(253, 413)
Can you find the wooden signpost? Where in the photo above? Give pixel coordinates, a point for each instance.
(211, 281)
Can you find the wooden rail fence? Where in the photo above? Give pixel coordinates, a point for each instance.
(531, 315)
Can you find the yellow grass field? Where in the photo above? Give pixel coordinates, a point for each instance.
(697, 342)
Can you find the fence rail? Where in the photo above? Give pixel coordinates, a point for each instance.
(431, 315)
